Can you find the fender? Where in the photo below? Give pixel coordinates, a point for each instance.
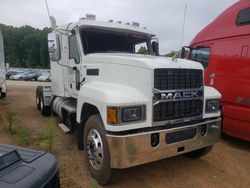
(102, 95)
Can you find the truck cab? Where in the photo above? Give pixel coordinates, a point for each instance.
(129, 105)
(3, 87)
(222, 48)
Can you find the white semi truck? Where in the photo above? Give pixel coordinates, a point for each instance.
(2, 69)
(127, 108)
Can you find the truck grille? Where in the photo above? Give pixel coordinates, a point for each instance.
(177, 110)
(172, 79)
(177, 80)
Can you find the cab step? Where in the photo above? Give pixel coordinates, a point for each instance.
(64, 128)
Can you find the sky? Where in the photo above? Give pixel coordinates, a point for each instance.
(163, 17)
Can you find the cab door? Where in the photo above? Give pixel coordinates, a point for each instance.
(74, 62)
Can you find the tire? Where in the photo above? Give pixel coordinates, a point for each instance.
(38, 93)
(45, 110)
(199, 153)
(100, 169)
(3, 95)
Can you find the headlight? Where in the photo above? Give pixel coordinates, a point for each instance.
(120, 115)
(132, 114)
(212, 106)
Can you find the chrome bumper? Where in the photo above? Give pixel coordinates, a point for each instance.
(135, 149)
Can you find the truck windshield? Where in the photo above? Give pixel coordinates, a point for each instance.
(103, 41)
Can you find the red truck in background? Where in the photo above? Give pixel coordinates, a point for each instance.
(223, 48)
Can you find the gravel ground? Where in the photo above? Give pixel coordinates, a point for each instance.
(227, 165)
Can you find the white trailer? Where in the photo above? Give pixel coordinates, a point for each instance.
(127, 108)
(3, 87)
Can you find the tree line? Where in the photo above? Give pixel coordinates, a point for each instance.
(25, 46)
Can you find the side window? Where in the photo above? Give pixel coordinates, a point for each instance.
(243, 17)
(73, 49)
(141, 48)
(201, 55)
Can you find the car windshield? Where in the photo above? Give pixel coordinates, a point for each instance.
(104, 41)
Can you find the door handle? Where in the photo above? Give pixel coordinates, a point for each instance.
(74, 68)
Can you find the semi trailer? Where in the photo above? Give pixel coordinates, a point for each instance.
(222, 48)
(127, 108)
(3, 87)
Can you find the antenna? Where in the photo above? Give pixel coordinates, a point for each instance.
(51, 18)
(47, 8)
(183, 26)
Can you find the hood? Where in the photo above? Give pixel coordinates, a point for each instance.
(142, 61)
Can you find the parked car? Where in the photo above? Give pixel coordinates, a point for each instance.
(44, 78)
(10, 73)
(22, 167)
(32, 76)
(37, 75)
(19, 76)
(223, 48)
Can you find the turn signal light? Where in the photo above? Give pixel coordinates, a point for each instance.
(112, 115)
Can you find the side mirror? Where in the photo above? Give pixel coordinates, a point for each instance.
(54, 47)
(155, 46)
(183, 52)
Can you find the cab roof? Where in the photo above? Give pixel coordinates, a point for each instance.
(224, 25)
(109, 25)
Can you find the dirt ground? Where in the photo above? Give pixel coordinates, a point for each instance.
(227, 165)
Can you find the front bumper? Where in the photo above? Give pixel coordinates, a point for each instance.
(135, 149)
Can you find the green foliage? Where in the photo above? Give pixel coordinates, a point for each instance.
(49, 135)
(25, 46)
(93, 183)
(10, 122)
(24, 136)
(172, 54)
(142, 50)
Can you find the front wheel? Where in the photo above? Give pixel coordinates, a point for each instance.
(199, 153)
(3, 95)
(97, 151)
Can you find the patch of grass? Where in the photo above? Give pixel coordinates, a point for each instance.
(49, 135)
(10, 123)
(93, 183)
(24, 136)
(1, 119)
(3, 102)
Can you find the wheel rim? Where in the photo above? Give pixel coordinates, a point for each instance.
(95, 149)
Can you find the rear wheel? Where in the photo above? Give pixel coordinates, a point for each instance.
(45, 110)
(199, 153)
(97, 151)
(38, 93)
